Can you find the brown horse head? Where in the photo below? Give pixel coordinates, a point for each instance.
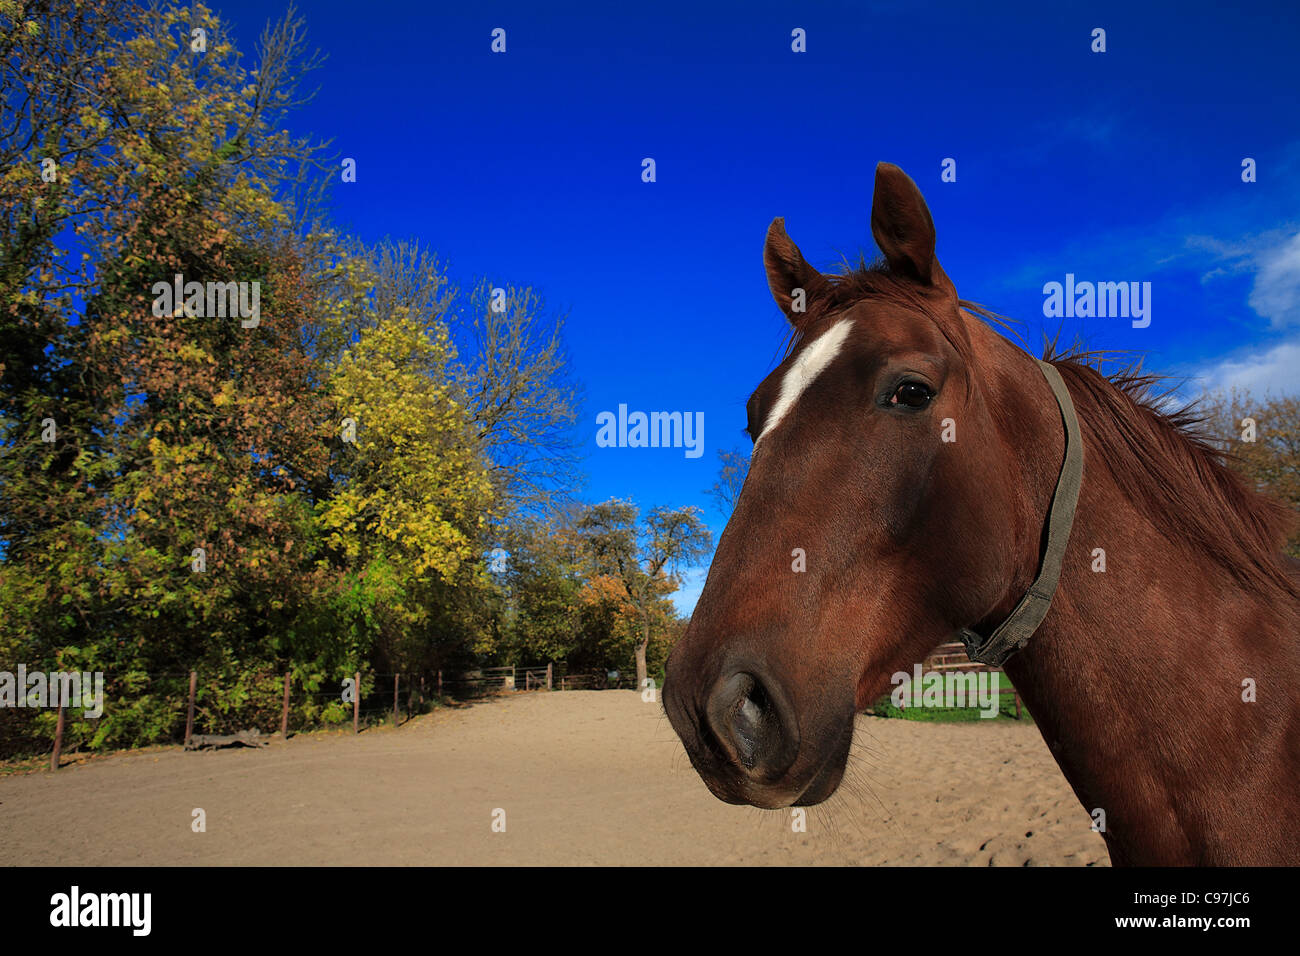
(881, 512)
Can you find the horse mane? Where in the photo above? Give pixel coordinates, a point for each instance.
(1160, 455)
(1163, 459)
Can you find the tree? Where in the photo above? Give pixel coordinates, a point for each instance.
(642, 560)
(413, 493)
(543, 577)
(130, 157)
(524, 403)
(56, 453)
(510, 356)
(612, 627)
(1261, 439)
(734, 466)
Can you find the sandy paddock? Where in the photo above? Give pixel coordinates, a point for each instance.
(594, 777)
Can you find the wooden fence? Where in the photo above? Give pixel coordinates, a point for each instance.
(952, 657)
(478, 682)
(376, 705)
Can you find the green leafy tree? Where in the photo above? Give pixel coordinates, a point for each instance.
(413, 492)
(543, 578)
(642, 558)
(129, 438)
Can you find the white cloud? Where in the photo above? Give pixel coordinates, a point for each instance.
(1276, 295)
(1273, 257)
(1275, 369)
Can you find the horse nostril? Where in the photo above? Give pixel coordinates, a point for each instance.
(748, 724)
(744, 716)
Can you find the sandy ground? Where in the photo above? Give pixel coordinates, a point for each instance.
(583, 777)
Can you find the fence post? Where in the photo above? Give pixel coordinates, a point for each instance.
(395, 680)
(548, 676)
(58, 741)
(189, 719)
(356, 703)
(440, 683)
(284, 713)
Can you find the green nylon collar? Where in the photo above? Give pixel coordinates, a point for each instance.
(1013, 633)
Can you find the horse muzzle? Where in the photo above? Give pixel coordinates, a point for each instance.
(743, 738)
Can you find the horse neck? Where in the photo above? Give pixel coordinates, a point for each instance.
(1135, 677)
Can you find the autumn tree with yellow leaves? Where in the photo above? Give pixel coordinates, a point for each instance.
(314, 488)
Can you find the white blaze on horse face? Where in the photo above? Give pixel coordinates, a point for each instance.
(810, 363)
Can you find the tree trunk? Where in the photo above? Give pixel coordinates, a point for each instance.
(641, 672)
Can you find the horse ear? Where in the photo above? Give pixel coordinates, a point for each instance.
(787, 272)
(901, 225)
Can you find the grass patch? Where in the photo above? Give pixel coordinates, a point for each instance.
(885, 707)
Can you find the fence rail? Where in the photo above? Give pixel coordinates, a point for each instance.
(275, 700)
(952, 656)
(274, 703)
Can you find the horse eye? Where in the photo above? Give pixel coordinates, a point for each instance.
(912, 394)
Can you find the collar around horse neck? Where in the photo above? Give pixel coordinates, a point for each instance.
(1015, 632)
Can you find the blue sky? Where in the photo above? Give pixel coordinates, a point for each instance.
(526, 167)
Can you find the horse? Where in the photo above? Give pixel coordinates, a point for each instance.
(911, 459)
